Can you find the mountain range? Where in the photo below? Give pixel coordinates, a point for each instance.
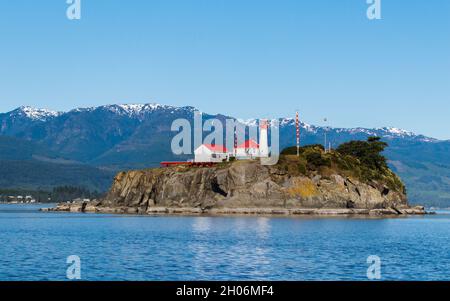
(42, 149)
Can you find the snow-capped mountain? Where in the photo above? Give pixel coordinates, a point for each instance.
(134, 110)
(384, 132)
(11, 121)
(34, 113)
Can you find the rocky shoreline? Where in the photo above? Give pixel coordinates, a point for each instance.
(248, 188)
(93, 208)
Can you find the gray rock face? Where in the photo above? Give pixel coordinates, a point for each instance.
(245, 184)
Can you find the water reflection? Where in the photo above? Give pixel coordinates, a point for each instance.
(201, 224)
(263, 228)
(201, 248)
(249, 255)
(243, 247)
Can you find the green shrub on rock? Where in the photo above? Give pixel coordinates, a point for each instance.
(362, 160)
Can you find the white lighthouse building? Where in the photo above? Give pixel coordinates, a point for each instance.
(263, 139)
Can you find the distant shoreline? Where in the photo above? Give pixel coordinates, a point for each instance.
(12, 203)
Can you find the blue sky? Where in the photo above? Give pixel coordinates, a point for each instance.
(245, 58)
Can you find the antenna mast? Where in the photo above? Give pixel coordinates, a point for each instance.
(326, 129)
(297, 125)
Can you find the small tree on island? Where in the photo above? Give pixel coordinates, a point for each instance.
(368, 152)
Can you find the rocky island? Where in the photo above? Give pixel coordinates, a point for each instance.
(353, 179)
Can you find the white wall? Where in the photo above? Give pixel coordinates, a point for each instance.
(204, 154)
(263, 143)
(249, 152)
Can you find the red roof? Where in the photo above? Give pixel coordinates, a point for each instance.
(249, 144)
(216, 148)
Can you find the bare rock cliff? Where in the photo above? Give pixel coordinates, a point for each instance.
(245, 184)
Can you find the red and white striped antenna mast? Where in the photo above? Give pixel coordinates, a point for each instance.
(297, 126)
(235, 142)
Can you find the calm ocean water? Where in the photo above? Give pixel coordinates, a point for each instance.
(35, 246)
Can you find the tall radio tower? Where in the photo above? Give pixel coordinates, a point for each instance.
(297, 126)
(325, 133)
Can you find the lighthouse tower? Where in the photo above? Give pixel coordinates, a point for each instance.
(263, 139)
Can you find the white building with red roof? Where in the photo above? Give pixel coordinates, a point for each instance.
(247, 150)
(211, 153)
